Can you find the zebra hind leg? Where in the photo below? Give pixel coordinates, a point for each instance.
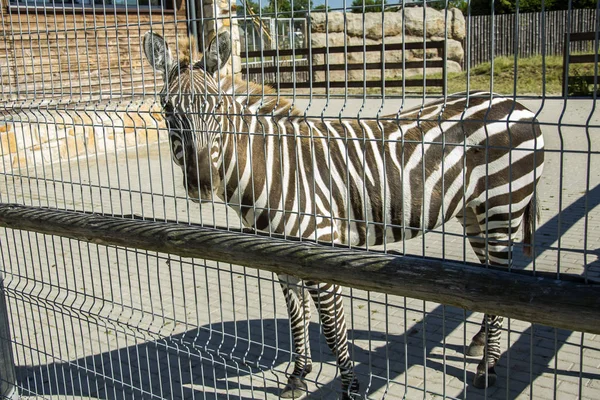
(329, 302)
(486, 343)
(298, 304)
(490, 334)
(494, 251)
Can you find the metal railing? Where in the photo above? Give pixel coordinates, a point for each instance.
(116, 282)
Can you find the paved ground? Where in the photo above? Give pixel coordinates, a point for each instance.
(91, 321)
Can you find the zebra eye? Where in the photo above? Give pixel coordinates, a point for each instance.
(168, 110)
(177, 150)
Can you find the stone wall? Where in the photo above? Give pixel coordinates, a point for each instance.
(223, 21)
(43, 137)
(103, 63)
(338, 28)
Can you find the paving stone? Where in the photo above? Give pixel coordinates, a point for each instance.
(132, 304)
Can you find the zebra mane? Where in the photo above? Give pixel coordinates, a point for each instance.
(259, 99)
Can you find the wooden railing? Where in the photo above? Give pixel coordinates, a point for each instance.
(312, 67)
(570, 303)
(568, 59)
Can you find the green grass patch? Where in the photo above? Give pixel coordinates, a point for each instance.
(530, 74)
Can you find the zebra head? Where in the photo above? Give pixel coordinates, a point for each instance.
(192, 104)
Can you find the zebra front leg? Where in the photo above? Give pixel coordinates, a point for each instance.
(298, 304)
(487, 343)
(329, 302)
(477, 346)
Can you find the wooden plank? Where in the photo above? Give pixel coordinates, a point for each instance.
(579, 36)
(99, 10)
(343, 67)
(73, 62)
(433, 44)
(589, 79)
(572, 305)
(583, 58)
(360, 84)
(108, 33)
(84, 87)
(53, 15)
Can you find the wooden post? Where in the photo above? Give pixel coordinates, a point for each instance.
(569, 304)
(8, 377)
(565, 88)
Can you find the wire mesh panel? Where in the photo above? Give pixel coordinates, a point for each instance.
(376, 133)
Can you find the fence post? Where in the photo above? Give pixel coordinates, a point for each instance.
(8, 377)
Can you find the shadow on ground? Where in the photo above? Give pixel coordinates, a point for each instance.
(238, 359)
(245, 358)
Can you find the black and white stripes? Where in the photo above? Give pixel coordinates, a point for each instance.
(476, 157)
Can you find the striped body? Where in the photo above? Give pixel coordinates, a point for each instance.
(356, 181)
(476, 157)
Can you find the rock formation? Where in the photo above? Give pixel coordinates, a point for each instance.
(412, 24)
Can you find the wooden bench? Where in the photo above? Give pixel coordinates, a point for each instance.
(308, 71)
(568, 59)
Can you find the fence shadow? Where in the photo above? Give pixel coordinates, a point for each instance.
(239, 357)
(188, 365)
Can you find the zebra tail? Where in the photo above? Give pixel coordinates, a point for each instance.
(532, 214)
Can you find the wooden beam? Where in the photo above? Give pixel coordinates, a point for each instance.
(343, 67)
(583, 58)
(581, 36)
(359, 84)
(432, 44)
(563, 304)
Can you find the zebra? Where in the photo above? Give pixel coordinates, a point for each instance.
(473, 156)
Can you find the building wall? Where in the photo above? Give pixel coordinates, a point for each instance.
(76, 83)
(78, 55)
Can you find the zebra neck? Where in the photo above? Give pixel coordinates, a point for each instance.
(256, 100)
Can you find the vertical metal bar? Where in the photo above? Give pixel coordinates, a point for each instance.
(8, 376)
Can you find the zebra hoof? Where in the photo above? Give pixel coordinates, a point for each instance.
(352, 392)
(483, 380)
(475, 350)
(294, 389)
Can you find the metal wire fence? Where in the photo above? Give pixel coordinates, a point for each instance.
(97, 121)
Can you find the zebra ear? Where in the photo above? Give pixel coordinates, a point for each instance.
(157, 52)
(217, 54)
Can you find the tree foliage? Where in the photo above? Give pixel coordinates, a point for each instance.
(369, 5)
(483, 7)
(321, 8)
(284, 8)
(441, 4)
(250, 6)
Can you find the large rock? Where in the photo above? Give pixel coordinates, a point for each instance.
(392, 23)
(323, 39)
(338, 29)
(26, 141)
(322, 22)
(371, 27)
(353, 24)
(454, 48)
(459, 31)
(434, 23)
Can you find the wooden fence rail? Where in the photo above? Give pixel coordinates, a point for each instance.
(570, 304)
(579, 85)
(305, 74)
(526, 34)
